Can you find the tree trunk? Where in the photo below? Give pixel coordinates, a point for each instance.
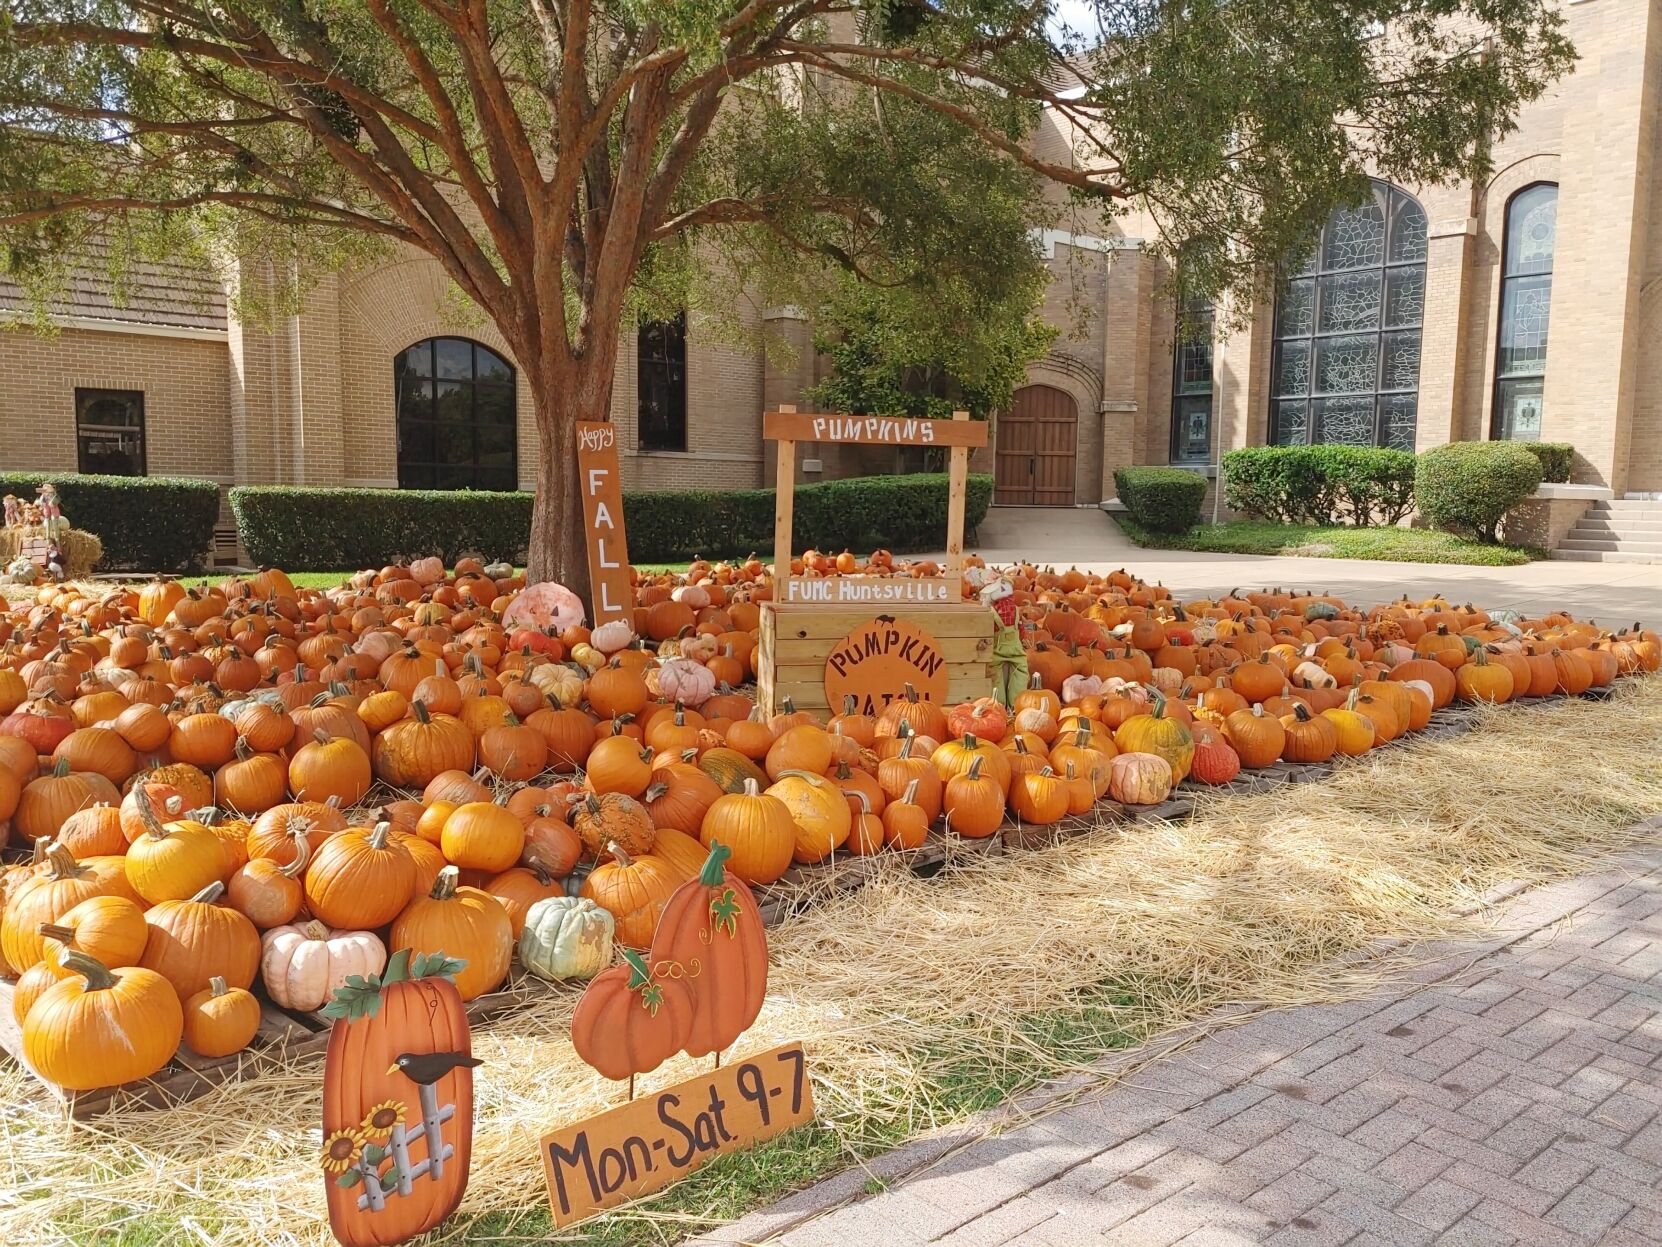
(559, 543)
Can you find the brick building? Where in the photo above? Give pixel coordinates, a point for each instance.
(1422, 318)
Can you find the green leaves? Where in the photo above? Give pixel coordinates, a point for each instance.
(360, 996)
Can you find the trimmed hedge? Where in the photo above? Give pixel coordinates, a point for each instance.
(1163, 500)
(152, 523)
(327, 529)
(1557, 458)
(1326, 485)
(1472, 485)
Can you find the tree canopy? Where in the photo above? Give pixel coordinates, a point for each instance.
(573, 162)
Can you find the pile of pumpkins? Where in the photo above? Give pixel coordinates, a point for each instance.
(253, 784)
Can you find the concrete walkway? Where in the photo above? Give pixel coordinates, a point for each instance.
(1612, 593)
(1507, 1091)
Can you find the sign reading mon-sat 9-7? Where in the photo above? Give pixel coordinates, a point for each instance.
(601, 485)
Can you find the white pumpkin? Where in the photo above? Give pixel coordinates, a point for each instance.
(695, 596)
(1313, 675)
(566, 937)
(303, 963)
(609, 638)
(559, 680)
(685, 681)
(1077, 687)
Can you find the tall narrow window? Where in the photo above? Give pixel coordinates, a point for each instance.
(109, 431)
(662, 385)
(1191, 387)
(1525, 299)
(457, 425)
(1347, 329)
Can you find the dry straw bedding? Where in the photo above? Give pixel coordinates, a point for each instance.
(1245, 902)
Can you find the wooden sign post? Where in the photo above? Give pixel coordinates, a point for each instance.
(646, 1144)
(812, 618)
(602, 485)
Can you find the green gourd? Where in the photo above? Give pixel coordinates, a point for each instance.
(566, 937)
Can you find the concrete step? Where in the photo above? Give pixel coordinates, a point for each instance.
(1625, 546)
(1646, 530)
(1603, 556)
(1628, 506)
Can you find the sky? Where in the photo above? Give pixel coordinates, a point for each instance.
(1077, 14)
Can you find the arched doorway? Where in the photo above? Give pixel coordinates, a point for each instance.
(1033, 464)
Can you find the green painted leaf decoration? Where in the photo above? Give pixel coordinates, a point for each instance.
(374, 1154)
(389, 1179)
(724, 911)
(398, 968)
(349, 1179)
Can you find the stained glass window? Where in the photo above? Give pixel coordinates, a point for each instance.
(1191, 387)
(1347, 329)
(457, 423)
(1525, 300)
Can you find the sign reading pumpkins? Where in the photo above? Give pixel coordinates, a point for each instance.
(397, 1101)
(602, 489)
(696, 990)
(879, 661)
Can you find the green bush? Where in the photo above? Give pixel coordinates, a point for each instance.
(1472, 485)
(1164, 500)
(1324, 485)
(1557, 458)
(152, 523)
(327, 529)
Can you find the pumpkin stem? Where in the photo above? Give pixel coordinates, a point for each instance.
(315, 930)
(52, 931)
(378, 837)
(217, 986)
(849, 703)
(752, 788)
(302, 856)
(910, 796)
(654, 792)
(60, 768)
(975, 767)
(420, 708)
(715, 865)
(96, 973)
(616, 850)
(209, 894)
(444, 887)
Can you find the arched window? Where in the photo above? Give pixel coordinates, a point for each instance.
(456, 425)
(1525, 299)
(1346, 364)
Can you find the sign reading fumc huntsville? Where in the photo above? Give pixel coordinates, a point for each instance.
(870, 590)
(602, 487)
(646, 1144)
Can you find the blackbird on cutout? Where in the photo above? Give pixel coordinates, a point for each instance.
(427, 1068)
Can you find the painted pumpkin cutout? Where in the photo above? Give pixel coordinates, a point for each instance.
(397, 1102)
(712, 928)
(631, 1020)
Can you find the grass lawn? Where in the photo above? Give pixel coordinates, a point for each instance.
(1405, 545)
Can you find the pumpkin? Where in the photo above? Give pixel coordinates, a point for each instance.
(566, 937)
(190, 941)
(174, 860)
(910, 771)
(46, 802)
(924, 718)
(712, 924)
(220, 1019)
(513, 751)
(461, 922)
(609, 818)
(482, 835)
(92, 832)
(360, 878)
(269, 893)
(631, 1019)
(302, 965)
(955, 756)
(252, 782)
(567, 734)
(758, 830)
(634, 891)
(410, 1009)
(1215, 761)
(1139, 779)
(31, 985)
(803, 747)
(48, 895)
(982, 718)
(1160, 735)
(551, 843)
(687, 681)
(412, 751)
(679, 796)
(973, 803)
(1353, 731)
(1309, 738)
(97, 750)
(730, 769)
(277, 833)
(204, 740)
(905, 821)
(819, 811)
(620, 764)
(101, 1027)
(110, 929)
(328, 768)
(1039, 797)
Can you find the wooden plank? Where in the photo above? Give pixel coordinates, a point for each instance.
(784, 509)
(873, 593)
(797, 619)
(805, 651)
(957, 488)
(830, 428)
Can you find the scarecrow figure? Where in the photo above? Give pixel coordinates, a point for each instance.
(55, 563)
(51, 514)
(1009, 658)
(14, 512)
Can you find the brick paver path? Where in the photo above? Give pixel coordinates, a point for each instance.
(1510, 1091)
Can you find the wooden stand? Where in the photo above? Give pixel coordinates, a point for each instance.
(809, 615)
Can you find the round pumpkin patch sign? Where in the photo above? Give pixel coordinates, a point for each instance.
(874, 664)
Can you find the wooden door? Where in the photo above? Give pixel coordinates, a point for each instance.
(1035, 456)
